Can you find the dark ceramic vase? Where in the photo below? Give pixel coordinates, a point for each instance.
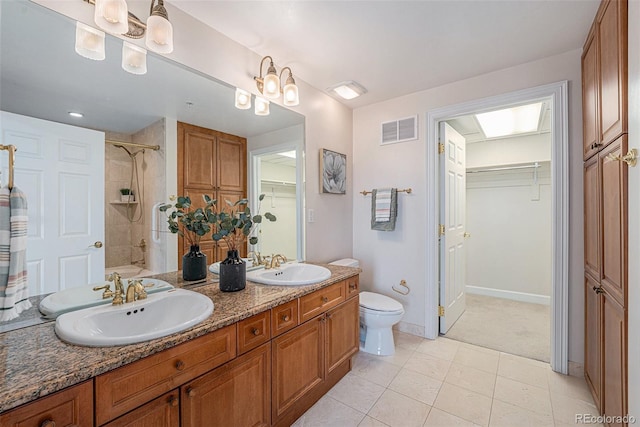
(194, 264)
(233, 273)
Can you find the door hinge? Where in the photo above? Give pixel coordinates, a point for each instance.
(441, 229)
(440, 311)
(440, 148)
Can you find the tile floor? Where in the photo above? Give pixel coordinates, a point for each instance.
(444, 382)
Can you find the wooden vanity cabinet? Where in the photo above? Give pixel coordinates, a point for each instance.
(343, 334)
(72, 406)
(161, 412)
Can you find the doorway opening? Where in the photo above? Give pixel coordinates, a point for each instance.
(556, 96)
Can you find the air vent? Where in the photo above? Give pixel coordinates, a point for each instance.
(400, 130)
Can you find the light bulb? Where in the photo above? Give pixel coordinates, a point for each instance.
(243, 99)
(262, 107)
(112, 16)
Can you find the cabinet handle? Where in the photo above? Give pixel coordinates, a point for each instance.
(285, 318)
(48, 423)
(255, 331)
(325, 299)
(191, 392)
(598, 289)
(173, 401)
(329, 316)
(179, 365)
(352, 285)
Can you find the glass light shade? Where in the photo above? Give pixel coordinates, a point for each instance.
(271, 86)
(89, 42)
(290, 95)
(159, 36)
(243, 99)
(112, 16)
(262, 107)
(134, 58)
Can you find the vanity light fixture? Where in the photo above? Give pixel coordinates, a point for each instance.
(347, 90)
(269, 85)
(262, 106)
(159, 29)
(243, 99)
(112, 16)
(134, 59)
(89, 42)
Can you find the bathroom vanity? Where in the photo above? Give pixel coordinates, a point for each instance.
(263, 357)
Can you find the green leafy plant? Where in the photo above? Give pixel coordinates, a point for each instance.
(234, 223)
(125, 191)
(187, 221)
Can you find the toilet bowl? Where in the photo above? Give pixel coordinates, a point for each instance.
(378, 314)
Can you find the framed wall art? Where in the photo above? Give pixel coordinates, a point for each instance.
(333, 172)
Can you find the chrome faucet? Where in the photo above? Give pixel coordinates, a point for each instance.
(275, 261)
(136, 290)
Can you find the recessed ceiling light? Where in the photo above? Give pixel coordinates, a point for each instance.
(291, 154)
(510, 121)
(76, 114)
(347, 90)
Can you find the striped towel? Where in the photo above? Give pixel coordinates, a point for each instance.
(14, 292)
(384, 209)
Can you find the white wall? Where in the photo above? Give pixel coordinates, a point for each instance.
(509, 151)
(328, 123)
(388, 257)
(634, 212)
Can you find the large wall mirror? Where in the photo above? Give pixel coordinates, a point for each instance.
(73, 179)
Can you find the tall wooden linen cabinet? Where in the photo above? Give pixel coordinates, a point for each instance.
(604, 106)
(212, 163)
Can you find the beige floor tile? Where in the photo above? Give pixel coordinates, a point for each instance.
(464, 403)
(507, 415)
(395, 409)
(429, 365)
(407, 341)
(438, 418)
(479, 359)
(525, 396)
(518, 369)
(441, 347)
(573, 387)
(370, 368)
(565, 409)
(416, 386)
(471, 378)
(533, 362)
(329, 412)
(371, 422)
(356, 392)
(399, 358)
(478, 348)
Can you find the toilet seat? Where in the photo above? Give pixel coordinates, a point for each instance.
(379, 303)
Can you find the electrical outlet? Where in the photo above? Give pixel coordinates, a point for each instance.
(311, 216)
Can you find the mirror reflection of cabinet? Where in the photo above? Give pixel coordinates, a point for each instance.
(212, 163)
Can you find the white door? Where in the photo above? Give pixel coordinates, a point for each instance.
(60, 168)
(452, 216)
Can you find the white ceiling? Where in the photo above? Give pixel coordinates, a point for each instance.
(395, 48)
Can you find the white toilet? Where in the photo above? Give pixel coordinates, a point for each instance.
(378, 314)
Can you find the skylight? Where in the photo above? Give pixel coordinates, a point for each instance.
(290, 154)
(510, 121)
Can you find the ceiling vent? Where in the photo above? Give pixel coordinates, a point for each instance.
(400, 130)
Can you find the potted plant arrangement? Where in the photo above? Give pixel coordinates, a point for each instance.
(235, 227)
(126, 195)
(191, 224)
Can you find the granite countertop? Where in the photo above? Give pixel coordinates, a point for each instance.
(34, 362)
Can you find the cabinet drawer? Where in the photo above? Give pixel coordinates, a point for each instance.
(284, 317)
(353, 286)
(163, 411)
(69, 407)
(320, 301)
(130, 386)
(254, 331)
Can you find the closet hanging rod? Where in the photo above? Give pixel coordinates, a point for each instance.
(406, 190)
(12, 161)
(275, 181)
(132, 144)
(506, 168)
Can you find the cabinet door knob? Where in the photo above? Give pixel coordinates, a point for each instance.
(285, 318)
(255, 331)
(173, 401)
(325, 299)
(179, 365)
(329, 316)
(48, 423)
(191, 392)
(352, 285)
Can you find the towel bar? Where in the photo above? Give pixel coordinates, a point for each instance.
(406, 190)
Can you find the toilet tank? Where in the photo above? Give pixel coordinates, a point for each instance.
(346, 262)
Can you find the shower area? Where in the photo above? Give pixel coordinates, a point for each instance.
(134, 186)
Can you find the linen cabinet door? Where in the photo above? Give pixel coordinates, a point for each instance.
(590, 133)
(343, 330)
(235, 394)
(592, 225)
(161, 412)
(614, 359)
(231, 164)
(593, 338)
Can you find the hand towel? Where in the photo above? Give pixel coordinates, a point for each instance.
(384, 209)
(14, 292)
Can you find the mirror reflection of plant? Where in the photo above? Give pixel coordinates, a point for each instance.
(236, 225)
(125, 191)
(188, 222)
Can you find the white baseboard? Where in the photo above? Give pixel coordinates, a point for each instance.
(512, 295)
(409, 328)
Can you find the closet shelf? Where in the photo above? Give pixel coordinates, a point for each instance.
(118, 202)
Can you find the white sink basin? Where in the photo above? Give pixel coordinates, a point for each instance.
(158, 315)
(290, 275)
(84, 296)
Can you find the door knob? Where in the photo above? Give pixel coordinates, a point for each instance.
(97, 244)
(465, 235)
